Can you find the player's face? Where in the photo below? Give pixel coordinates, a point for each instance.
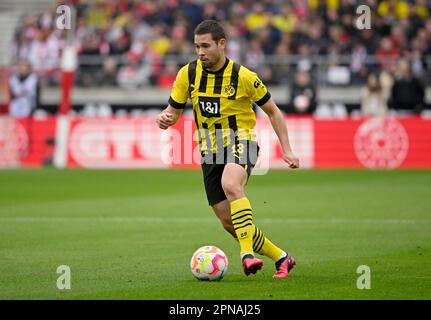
(209, 51)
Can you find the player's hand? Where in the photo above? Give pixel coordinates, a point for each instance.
(291, 159)
(165, 120)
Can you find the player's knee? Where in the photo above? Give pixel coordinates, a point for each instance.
(233, 190)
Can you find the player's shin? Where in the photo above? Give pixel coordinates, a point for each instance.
(242, 221)
(264, 246)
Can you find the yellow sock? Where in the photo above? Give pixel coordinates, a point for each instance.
(264, 246)
(242, 220)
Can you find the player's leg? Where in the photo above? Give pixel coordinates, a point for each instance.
(261, 244)
(212, 174)
(222, 211)
(251, 238)
(233, 181)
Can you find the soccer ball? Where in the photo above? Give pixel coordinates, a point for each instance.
(209, 263)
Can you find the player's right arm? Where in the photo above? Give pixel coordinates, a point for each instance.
(168, 117)
(177, 100)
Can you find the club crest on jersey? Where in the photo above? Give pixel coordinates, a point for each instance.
(257, 83)
(229, 90)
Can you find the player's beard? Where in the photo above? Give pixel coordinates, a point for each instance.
(209, 64)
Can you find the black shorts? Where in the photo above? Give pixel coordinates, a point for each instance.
(244, 153)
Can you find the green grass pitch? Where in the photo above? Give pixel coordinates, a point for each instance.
(130, 234)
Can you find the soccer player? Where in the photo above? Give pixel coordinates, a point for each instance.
(222, 92)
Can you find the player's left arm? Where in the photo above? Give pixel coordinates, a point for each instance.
(280, 128)
(259, 94)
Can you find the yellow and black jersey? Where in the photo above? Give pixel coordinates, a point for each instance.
(222, 102)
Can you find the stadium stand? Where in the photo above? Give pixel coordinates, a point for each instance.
(133, 46)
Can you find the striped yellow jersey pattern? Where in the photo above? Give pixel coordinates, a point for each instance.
(222, 102)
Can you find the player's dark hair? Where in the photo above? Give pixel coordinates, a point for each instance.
(213, 27)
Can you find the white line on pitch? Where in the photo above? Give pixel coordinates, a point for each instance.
(147, 219)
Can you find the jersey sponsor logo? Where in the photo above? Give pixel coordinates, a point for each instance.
(210, 106)
(229, 90)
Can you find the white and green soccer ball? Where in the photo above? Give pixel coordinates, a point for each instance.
(209, 263)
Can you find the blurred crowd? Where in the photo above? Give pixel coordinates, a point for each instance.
(297, 43)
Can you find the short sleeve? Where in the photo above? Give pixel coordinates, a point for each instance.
(256, 89)
(180, 89)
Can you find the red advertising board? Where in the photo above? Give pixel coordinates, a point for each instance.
(4, 90)
(115, 143)
(374, 143)
(26, 142)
